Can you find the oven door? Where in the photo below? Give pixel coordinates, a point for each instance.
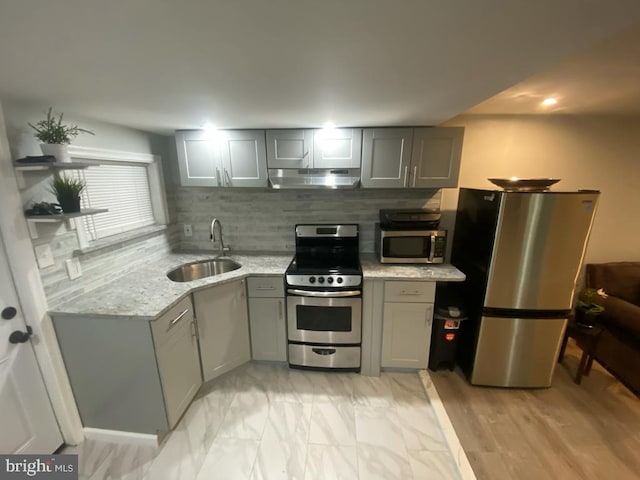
(324, 317)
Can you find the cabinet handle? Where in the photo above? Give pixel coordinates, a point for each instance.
(406, 171)
(280, 309)
(218, 177)
(227, 178)
(265, 288)
(410, 292)
(415, 174)
(177, 319)
(427, 317)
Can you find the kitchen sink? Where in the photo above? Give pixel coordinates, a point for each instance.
(202, 269)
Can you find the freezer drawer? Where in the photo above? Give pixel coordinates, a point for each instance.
(517, 352)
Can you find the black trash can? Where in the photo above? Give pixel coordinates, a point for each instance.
(445, 336)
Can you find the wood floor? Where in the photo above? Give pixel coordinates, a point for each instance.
(568, 431)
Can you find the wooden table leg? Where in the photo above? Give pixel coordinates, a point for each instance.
(581, 367)
(587, 369)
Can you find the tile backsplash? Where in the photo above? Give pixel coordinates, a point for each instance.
(263, 219)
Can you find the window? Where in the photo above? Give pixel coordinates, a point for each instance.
(124, 191)
(129, 185)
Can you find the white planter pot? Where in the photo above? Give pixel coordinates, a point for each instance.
(60, 151)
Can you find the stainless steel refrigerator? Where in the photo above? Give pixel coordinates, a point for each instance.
(521, 253)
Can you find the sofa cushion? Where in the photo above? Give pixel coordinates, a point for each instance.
(620, 279)
(622, 317)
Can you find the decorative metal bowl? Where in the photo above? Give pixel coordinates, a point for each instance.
(515, 184)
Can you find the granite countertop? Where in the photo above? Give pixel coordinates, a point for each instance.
(147, 293)
(372, 269)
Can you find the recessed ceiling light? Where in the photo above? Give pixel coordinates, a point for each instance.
(549, 101)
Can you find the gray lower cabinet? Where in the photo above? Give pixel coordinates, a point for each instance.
(128, 374)
(267, 318)
(223, 327)
(422, 157)
(406, 323)
(233, 158)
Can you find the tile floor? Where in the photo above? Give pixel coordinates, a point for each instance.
(271, 422)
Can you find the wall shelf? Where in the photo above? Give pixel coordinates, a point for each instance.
(50, 165)
(64, 216)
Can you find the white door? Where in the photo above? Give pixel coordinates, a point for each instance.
(28, 423)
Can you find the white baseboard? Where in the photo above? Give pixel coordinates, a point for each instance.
(117, 436)
(462, 462)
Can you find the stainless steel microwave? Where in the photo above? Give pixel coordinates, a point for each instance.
(397, 245)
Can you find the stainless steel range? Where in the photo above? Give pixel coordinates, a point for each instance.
(324, 298)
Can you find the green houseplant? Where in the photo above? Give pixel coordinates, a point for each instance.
(588, 306)
(55, 136)
(67, 190)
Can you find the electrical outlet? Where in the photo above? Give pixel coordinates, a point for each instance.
(44, 256)
(187, 230)
(73, 268)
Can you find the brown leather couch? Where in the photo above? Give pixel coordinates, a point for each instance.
(618, 347)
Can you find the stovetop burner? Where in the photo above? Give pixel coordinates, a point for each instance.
(327, 256)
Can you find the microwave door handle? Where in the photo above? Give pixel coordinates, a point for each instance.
(432, 250)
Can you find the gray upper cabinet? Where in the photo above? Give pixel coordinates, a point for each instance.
(289, 148)
(336, 148)
(235, 158)
(435, 157)
(386, 157)
(197, 160)
(425, 157)
(244, 158)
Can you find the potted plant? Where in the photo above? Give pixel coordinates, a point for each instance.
(55, 136)
(67, 190)
(588, 307)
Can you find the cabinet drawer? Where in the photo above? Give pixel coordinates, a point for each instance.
(410, 292)
(272, 286)
(164, 326)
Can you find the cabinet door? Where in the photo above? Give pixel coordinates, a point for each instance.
(198, 160)
(223, 328)
(406, 334)
(337, 148)
(386, 156)
(435, 158)
(268, 329)
(289, 148)
(178, 360)
(244, 158)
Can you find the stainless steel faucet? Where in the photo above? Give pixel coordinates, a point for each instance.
(221, 248)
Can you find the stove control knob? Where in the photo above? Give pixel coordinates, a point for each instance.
(339, 280)
(320, 279)
(330, 280)
(312, 279)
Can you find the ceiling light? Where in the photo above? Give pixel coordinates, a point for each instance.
(549, 101)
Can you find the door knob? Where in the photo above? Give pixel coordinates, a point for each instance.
(18, 336)
(9, 312)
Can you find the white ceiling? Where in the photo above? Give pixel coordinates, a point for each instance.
(604, 79)
(165, 65)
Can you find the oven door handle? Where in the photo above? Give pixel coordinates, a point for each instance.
(305, 293)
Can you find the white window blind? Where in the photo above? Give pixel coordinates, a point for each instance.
(124, 190)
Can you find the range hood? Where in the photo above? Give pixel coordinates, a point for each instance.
(314, 177)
